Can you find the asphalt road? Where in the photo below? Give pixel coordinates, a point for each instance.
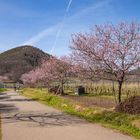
(24, 119)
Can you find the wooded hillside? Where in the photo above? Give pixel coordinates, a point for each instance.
(15, 62)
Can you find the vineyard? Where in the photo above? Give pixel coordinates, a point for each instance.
(106, 89)
(101, 94)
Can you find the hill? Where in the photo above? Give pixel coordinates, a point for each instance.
(17, 61)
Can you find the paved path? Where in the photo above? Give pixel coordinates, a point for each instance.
(24, 119)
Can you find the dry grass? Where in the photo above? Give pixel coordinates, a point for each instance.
(136, 123)
(92, 101)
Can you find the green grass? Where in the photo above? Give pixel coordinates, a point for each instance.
(107, 118)
(2, 90)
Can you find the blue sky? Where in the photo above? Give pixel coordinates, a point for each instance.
(41, 23)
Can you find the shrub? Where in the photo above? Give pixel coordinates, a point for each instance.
(55, 89)
(130, 105)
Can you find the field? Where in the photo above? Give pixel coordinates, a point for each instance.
(106, 93)
(104, 116)
(107, 88)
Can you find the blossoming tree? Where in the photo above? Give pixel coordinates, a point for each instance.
(51, 71)
(109, 51)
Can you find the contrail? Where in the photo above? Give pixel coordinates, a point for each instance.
(51, 30)
(61, 26)
(68, 7)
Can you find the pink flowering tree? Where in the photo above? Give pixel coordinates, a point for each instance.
(109, 52)
(34, 77)
(56, 70)
(3, 78)
(51, 71)
(28, 78)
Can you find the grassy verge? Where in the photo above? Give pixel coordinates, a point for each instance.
(108, 118)
(2, 90)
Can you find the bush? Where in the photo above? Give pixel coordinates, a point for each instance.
(130, 105)
(55, 89)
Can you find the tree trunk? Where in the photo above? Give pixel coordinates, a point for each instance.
(120, 91)
(62, 88)
(113, 91)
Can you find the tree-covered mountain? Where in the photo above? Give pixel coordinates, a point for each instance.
(17, 61)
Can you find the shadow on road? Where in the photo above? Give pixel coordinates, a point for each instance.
(4, 96)
(11, 114)
(20, 100)
(7, 108)
(4, 106)
(44, 119)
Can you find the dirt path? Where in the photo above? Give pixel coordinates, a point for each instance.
(24, 119)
